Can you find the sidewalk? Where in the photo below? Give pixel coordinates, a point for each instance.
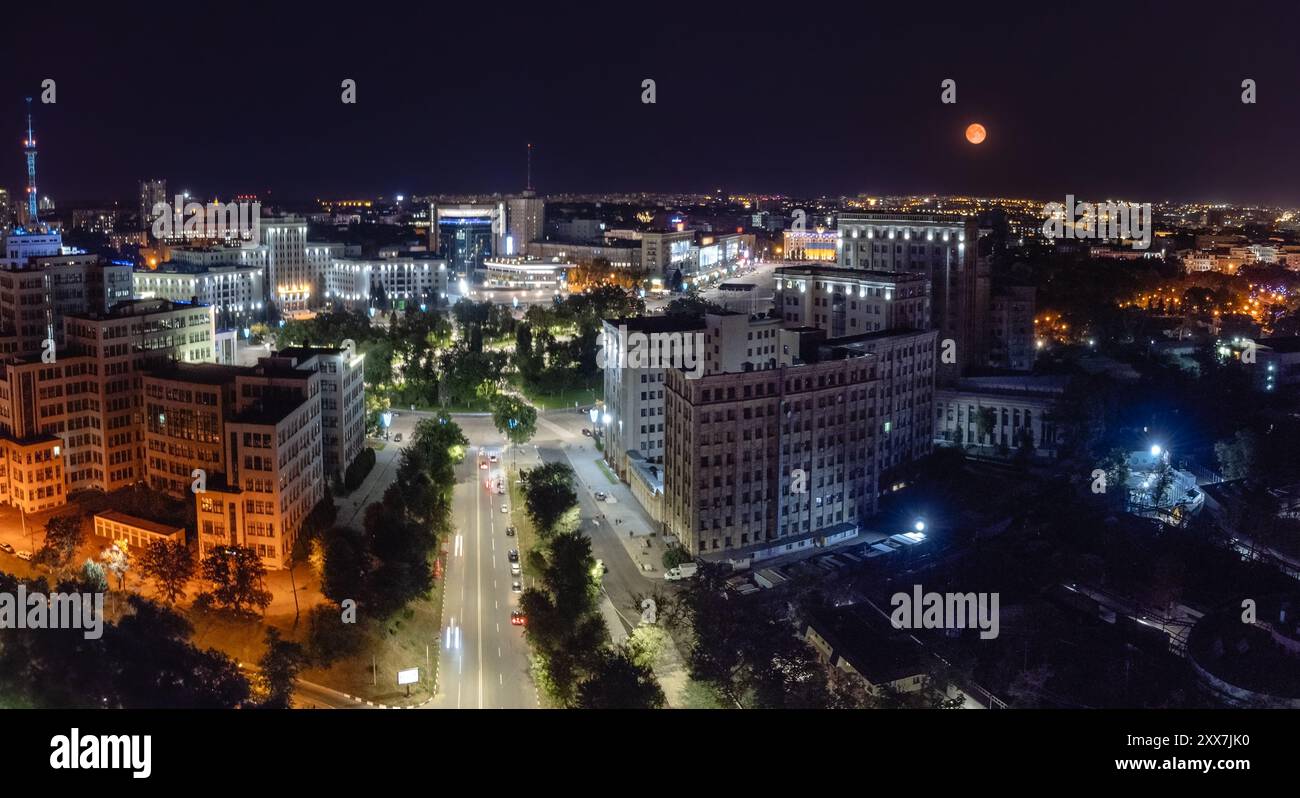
(620, 512)
(634, 529)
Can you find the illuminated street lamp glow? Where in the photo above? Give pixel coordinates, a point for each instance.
(1156, 450)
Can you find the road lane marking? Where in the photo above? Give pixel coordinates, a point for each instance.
(478, 602)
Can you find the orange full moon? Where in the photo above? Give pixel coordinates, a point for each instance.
(975, 133)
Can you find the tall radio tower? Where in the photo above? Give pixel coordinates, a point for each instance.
(29, 148)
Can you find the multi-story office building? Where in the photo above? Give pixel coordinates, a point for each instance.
(198, 258)
(406, 280)
(763, 463)
(664, 251)
(289, 279)
(152, 192)
(466, 233)
(816, 245)
(634, 381)
(525, 222)
(343, 401)
(82, 405)
(1011, 329)
(23, 245)
(253, 437)
(720, 253)
(945, 250)
(1000, 415)
(621, 254)
(852, 301)
(37, 292)
(234, 293)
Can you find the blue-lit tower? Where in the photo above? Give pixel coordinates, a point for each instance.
(29, 148)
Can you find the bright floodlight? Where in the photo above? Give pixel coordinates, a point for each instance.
(919, 526)
(607, 418)
(1155, 450)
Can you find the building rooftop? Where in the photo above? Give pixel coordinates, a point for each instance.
(864, 638)
(654, 324)
(140, 523)
(137, 307)
(204, 373)
(843, 273)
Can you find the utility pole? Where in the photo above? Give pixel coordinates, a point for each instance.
(296, 613)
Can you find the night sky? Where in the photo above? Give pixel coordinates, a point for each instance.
(1094, 99)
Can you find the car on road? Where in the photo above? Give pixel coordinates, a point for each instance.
(513, 555)
(517, 618)
(515, 587)
(397, 438)
(514, 569)
(482, 464)
(492, 458)
(510, 532)
(600, 497)
(505, 508)
(586, 432)
(24, 555)
(6, 548)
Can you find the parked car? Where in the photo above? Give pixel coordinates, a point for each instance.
(25, 555)
(517, 618)
(6, 548)
(600, 497)
(514, 569)
(516, 587)
(510, 532)
(505, 508)
(586, 432)
(513, 555)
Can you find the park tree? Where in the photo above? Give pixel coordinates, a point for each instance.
(1237, 456)
(279, 666)
(514, 418)
(346, 564)
(170, 564)
(117, 562)
(238, 578)
(618, 682)
(549, 497)
(63, 535)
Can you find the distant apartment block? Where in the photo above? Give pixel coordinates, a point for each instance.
(1011, 329)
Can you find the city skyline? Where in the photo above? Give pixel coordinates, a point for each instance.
(452, 115)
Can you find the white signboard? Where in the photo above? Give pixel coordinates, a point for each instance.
(411, 676)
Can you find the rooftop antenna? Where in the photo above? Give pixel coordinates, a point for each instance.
(529, 183)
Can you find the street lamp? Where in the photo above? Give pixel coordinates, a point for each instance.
(919, 526)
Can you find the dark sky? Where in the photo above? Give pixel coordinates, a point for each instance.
(1133, 100)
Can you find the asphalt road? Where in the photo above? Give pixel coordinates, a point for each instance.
(483, 659)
